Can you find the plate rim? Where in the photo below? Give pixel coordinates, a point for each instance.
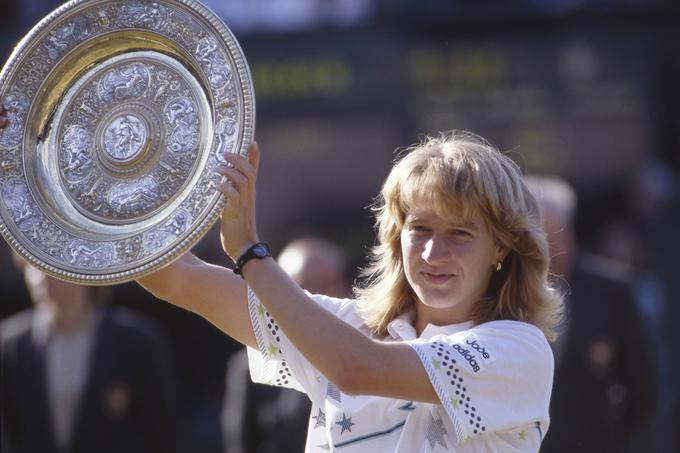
(211, 213)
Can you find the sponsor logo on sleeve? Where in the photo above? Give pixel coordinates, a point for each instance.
(472, 342)
(467, 355)
(475, 353)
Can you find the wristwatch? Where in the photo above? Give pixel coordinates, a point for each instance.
(258, 250)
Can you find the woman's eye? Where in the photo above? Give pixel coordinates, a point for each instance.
(460, 233)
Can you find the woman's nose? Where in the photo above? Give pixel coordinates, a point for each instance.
(435, 250)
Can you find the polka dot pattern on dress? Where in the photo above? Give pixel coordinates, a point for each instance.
(460, 398)
(284, 373)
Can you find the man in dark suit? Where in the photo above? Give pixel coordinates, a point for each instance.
(605, 384)
(80, 376)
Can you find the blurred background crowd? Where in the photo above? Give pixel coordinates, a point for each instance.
(583, 94)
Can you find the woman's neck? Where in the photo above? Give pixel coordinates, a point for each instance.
(437, 316)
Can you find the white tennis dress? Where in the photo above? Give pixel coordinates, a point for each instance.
(493, 380)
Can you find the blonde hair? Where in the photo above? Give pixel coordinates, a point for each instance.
(460, 173)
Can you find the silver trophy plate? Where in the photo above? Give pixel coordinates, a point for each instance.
(119, 113)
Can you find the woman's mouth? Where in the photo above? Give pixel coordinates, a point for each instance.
(435, 278)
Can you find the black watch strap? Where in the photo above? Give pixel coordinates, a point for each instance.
(258, 250)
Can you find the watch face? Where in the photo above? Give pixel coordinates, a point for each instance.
(260, 251)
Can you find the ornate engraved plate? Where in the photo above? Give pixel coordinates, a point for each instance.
(119, 112)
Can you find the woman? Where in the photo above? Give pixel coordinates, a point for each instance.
(446, 348)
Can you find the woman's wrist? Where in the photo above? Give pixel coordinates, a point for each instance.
(240, 250)
(235, 251)
(257, 251)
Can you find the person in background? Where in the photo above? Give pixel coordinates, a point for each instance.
(644, 236)
(317, 265)
(266, 419)
(606, 371)
(80, 375)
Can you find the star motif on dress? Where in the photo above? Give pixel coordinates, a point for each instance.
(333, 392)
(454, 403)
(436, 363)
(272, 349)
(345, 423)
(436, 432)
(522, 435)
(320, 419)
(325, 447)
(261, 310)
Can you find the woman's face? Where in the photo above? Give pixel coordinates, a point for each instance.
(448, 263)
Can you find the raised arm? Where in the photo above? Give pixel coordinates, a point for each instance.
(353, 362)
(214, 292)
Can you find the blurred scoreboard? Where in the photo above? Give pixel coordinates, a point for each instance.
(333, 107)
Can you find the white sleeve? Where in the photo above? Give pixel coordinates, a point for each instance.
(277, 361)
(494, 377)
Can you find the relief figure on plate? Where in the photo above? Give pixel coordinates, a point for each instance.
(126, 82)
(213, 62)
(84, 253)
(225, 129)
(134, 197)
(181, 115)
(16, 195)
(124, 137)
(61, 38)
(150, 16)
(76, 146)
(16, 105)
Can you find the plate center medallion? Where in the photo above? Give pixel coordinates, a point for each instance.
(125, 137)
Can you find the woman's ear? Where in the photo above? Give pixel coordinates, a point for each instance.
(501, 253)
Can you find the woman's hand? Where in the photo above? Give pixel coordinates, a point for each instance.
(238, 229)
(3, 118)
